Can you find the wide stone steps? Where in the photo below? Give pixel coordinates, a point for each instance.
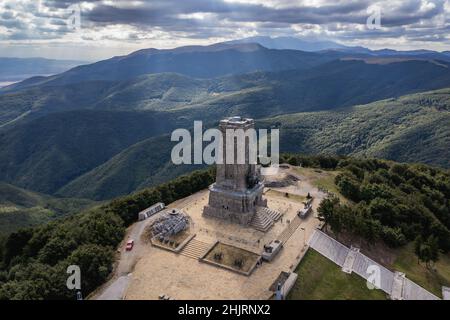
(272, 214)
(264, 218)
(289, 231)
(261, 221)
(195, 249)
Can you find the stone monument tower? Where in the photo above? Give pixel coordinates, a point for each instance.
(238, 188)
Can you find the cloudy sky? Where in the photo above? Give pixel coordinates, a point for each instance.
(97, 29)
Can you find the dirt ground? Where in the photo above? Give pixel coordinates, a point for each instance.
(159, 272)
(232, 253)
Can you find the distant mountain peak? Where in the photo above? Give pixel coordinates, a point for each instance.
(221, 46)
(293, 43)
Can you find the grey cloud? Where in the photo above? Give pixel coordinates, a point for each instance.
(13, 24)
(7, 15)
(407, 19)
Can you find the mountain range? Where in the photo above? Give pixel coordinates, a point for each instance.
(102, 130)
(293, 43)
(194, 61)
(322, 81)
(412, 128)
(321, 45)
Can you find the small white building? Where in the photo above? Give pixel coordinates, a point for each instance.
(271, 250)
(146, 213)
(303, 213)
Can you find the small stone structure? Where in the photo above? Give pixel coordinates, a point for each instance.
(271, 250)
(146, 213)
(238, 189)
(398, 286)
(303, 213)
(350, 260)
(170, 224)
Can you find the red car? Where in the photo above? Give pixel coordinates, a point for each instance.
(129, 245)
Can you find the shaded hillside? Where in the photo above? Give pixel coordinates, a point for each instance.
(53, 135)
(414, 128)
(21, 208)
(46, 153)
(411, 129)
(144, 164)
(346, 83)
(83, 153)
(330, 86)
(39, 101)
(261, 94)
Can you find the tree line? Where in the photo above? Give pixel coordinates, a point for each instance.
(387, 201)
(33, 261)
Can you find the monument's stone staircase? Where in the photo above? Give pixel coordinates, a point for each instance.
(195, 249)
(264, 218)
(273, 214)
(290, 229)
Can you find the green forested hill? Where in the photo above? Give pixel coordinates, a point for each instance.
(81, 138)
(46, 153)
(23, 208)
(144, 164)
(413, 128)
(260, 94)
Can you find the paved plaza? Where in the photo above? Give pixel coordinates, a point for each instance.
(159, 272)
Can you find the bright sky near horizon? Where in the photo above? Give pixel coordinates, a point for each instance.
(51, 28)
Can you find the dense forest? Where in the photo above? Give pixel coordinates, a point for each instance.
(33, 261)
(392, 202)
